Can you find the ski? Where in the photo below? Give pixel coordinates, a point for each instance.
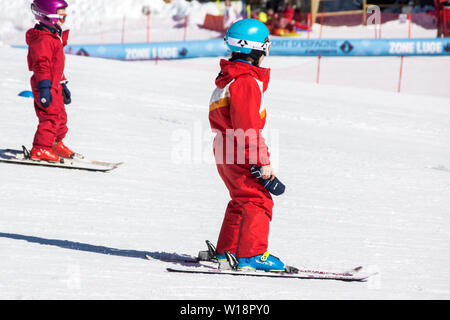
(79, 158)
(22, 157)
(182, 260)
(207, 263)
(214, 264)
(285, 275)
(208, 258)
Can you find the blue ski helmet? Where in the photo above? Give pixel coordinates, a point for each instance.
(247, 35)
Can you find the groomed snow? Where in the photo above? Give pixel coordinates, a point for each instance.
(367, 172)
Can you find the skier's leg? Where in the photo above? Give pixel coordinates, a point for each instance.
(229, 233)
(254, 231)
(253, 240)
(62, 129)
(45, 135)
(251, 209)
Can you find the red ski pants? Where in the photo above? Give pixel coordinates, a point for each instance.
(52, 121)
(245, 227)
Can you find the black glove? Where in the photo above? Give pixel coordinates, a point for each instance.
(66, 94)
(275, 186)
(45, 93)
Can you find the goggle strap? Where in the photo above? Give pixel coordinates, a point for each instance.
(254, 45)
(59, 16)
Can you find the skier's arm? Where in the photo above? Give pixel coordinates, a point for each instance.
(41, 55)
(245, 104)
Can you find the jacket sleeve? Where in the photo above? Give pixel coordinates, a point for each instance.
(40, 55)
(245, 104)
(64, 38)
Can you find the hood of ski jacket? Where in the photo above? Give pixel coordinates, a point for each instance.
(46, 58)
(237, 105)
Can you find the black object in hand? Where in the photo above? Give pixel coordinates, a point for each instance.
(66, 94)
(275, 186)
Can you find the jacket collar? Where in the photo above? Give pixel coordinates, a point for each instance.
(230, 70)
(44, 27)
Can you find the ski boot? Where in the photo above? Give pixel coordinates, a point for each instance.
(262, 262)
(61, 150)
(43, 155)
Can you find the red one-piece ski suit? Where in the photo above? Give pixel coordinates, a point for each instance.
(237, 106)
(46, 60)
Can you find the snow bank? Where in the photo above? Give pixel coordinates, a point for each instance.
(87, 15)
(100, 21)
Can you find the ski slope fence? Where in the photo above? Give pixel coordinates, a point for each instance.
(279, 47)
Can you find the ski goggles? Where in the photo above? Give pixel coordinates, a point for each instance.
(260, 46)
(61, 17)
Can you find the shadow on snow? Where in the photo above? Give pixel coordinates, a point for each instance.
(65, 244)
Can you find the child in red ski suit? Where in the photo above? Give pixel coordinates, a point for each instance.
(46, 60)
(237, 115)
(245, 227)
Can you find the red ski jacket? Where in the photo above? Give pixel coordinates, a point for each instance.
(46, 57)
(237, 114)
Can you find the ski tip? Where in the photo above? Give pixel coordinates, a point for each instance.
(355, 270)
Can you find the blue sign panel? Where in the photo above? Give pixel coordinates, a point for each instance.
(360, 47)
(279, 47)
(153, 50)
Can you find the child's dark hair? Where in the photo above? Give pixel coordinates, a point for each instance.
(252, 57)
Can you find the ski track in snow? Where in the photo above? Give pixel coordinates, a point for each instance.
(356, 161)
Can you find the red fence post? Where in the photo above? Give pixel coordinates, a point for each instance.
(319, 57)
(309, 25)
(400, 75)
(318, 69)
(403, 57)
(409, 25)
(185, 27)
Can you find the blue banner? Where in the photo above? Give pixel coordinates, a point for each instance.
(360, 47)
(279, 47)
(152, 50)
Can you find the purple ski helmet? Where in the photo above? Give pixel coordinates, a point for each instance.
(45, 11)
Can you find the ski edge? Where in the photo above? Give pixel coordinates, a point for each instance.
(306, 276)
(57, 165)
(78, 162)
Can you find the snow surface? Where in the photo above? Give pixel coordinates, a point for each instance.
(367, 173)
